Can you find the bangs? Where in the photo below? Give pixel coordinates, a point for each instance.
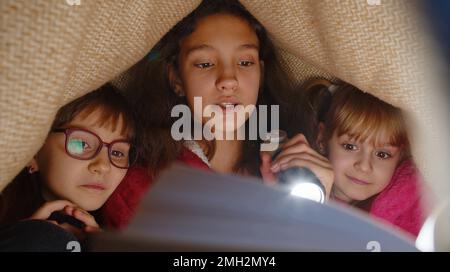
(110, 117)
(365, 117)
(109, 103)
(377, 127)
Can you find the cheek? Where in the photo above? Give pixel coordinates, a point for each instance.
(339, 167)
(250, 87)
(195, 88)
(385, 171)
(64, 167)
(57, 169)
(339, 160)
(60, 177)
(196, 83)
(55, 179)
(52, 164)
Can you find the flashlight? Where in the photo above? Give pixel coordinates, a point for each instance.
(300, 181)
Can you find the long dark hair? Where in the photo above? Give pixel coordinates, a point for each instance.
(23, 195)
(154, 96)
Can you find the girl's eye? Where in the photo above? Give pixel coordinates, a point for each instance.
(204, 65)
(246, 63)
(117, 154)
(383, 155)
(78, 146)
(350, 147)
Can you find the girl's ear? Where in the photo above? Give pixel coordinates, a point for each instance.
(174, 80)
(320, 138)
(32, 165)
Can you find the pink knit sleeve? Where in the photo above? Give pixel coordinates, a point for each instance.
(401, 202)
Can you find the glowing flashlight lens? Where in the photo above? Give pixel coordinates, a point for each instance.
(303, 183)
(309, 191)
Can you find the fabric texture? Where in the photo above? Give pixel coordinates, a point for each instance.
(52, 52)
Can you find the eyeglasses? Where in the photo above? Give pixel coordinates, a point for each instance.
(82, 144)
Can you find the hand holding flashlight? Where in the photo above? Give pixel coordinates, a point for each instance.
(298, 167)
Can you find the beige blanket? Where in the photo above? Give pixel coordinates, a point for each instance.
(55, 50)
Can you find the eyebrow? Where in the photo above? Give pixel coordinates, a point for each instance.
(199, 48)
(248, 46)
(209, 47)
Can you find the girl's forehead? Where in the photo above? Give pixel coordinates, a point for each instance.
(221, 27)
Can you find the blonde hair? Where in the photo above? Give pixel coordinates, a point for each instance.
(365, 117)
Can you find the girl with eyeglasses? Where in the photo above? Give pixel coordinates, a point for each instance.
(83, 159)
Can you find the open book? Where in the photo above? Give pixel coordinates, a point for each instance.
(195, 210)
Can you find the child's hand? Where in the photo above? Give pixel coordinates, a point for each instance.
(44, 212)
(85, 217)
(267, 174)
(67, 207)
(297, 152)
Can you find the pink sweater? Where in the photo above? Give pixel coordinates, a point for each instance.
(401, 202)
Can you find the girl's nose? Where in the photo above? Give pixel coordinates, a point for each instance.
(363, 163)
(227, 81)
(100, 164)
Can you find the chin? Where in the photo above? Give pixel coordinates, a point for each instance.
(358, 197)
(90, 205)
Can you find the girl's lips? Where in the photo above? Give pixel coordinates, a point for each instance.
(94, 186)
(228, 107)
(228, 99)
(358, 181)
